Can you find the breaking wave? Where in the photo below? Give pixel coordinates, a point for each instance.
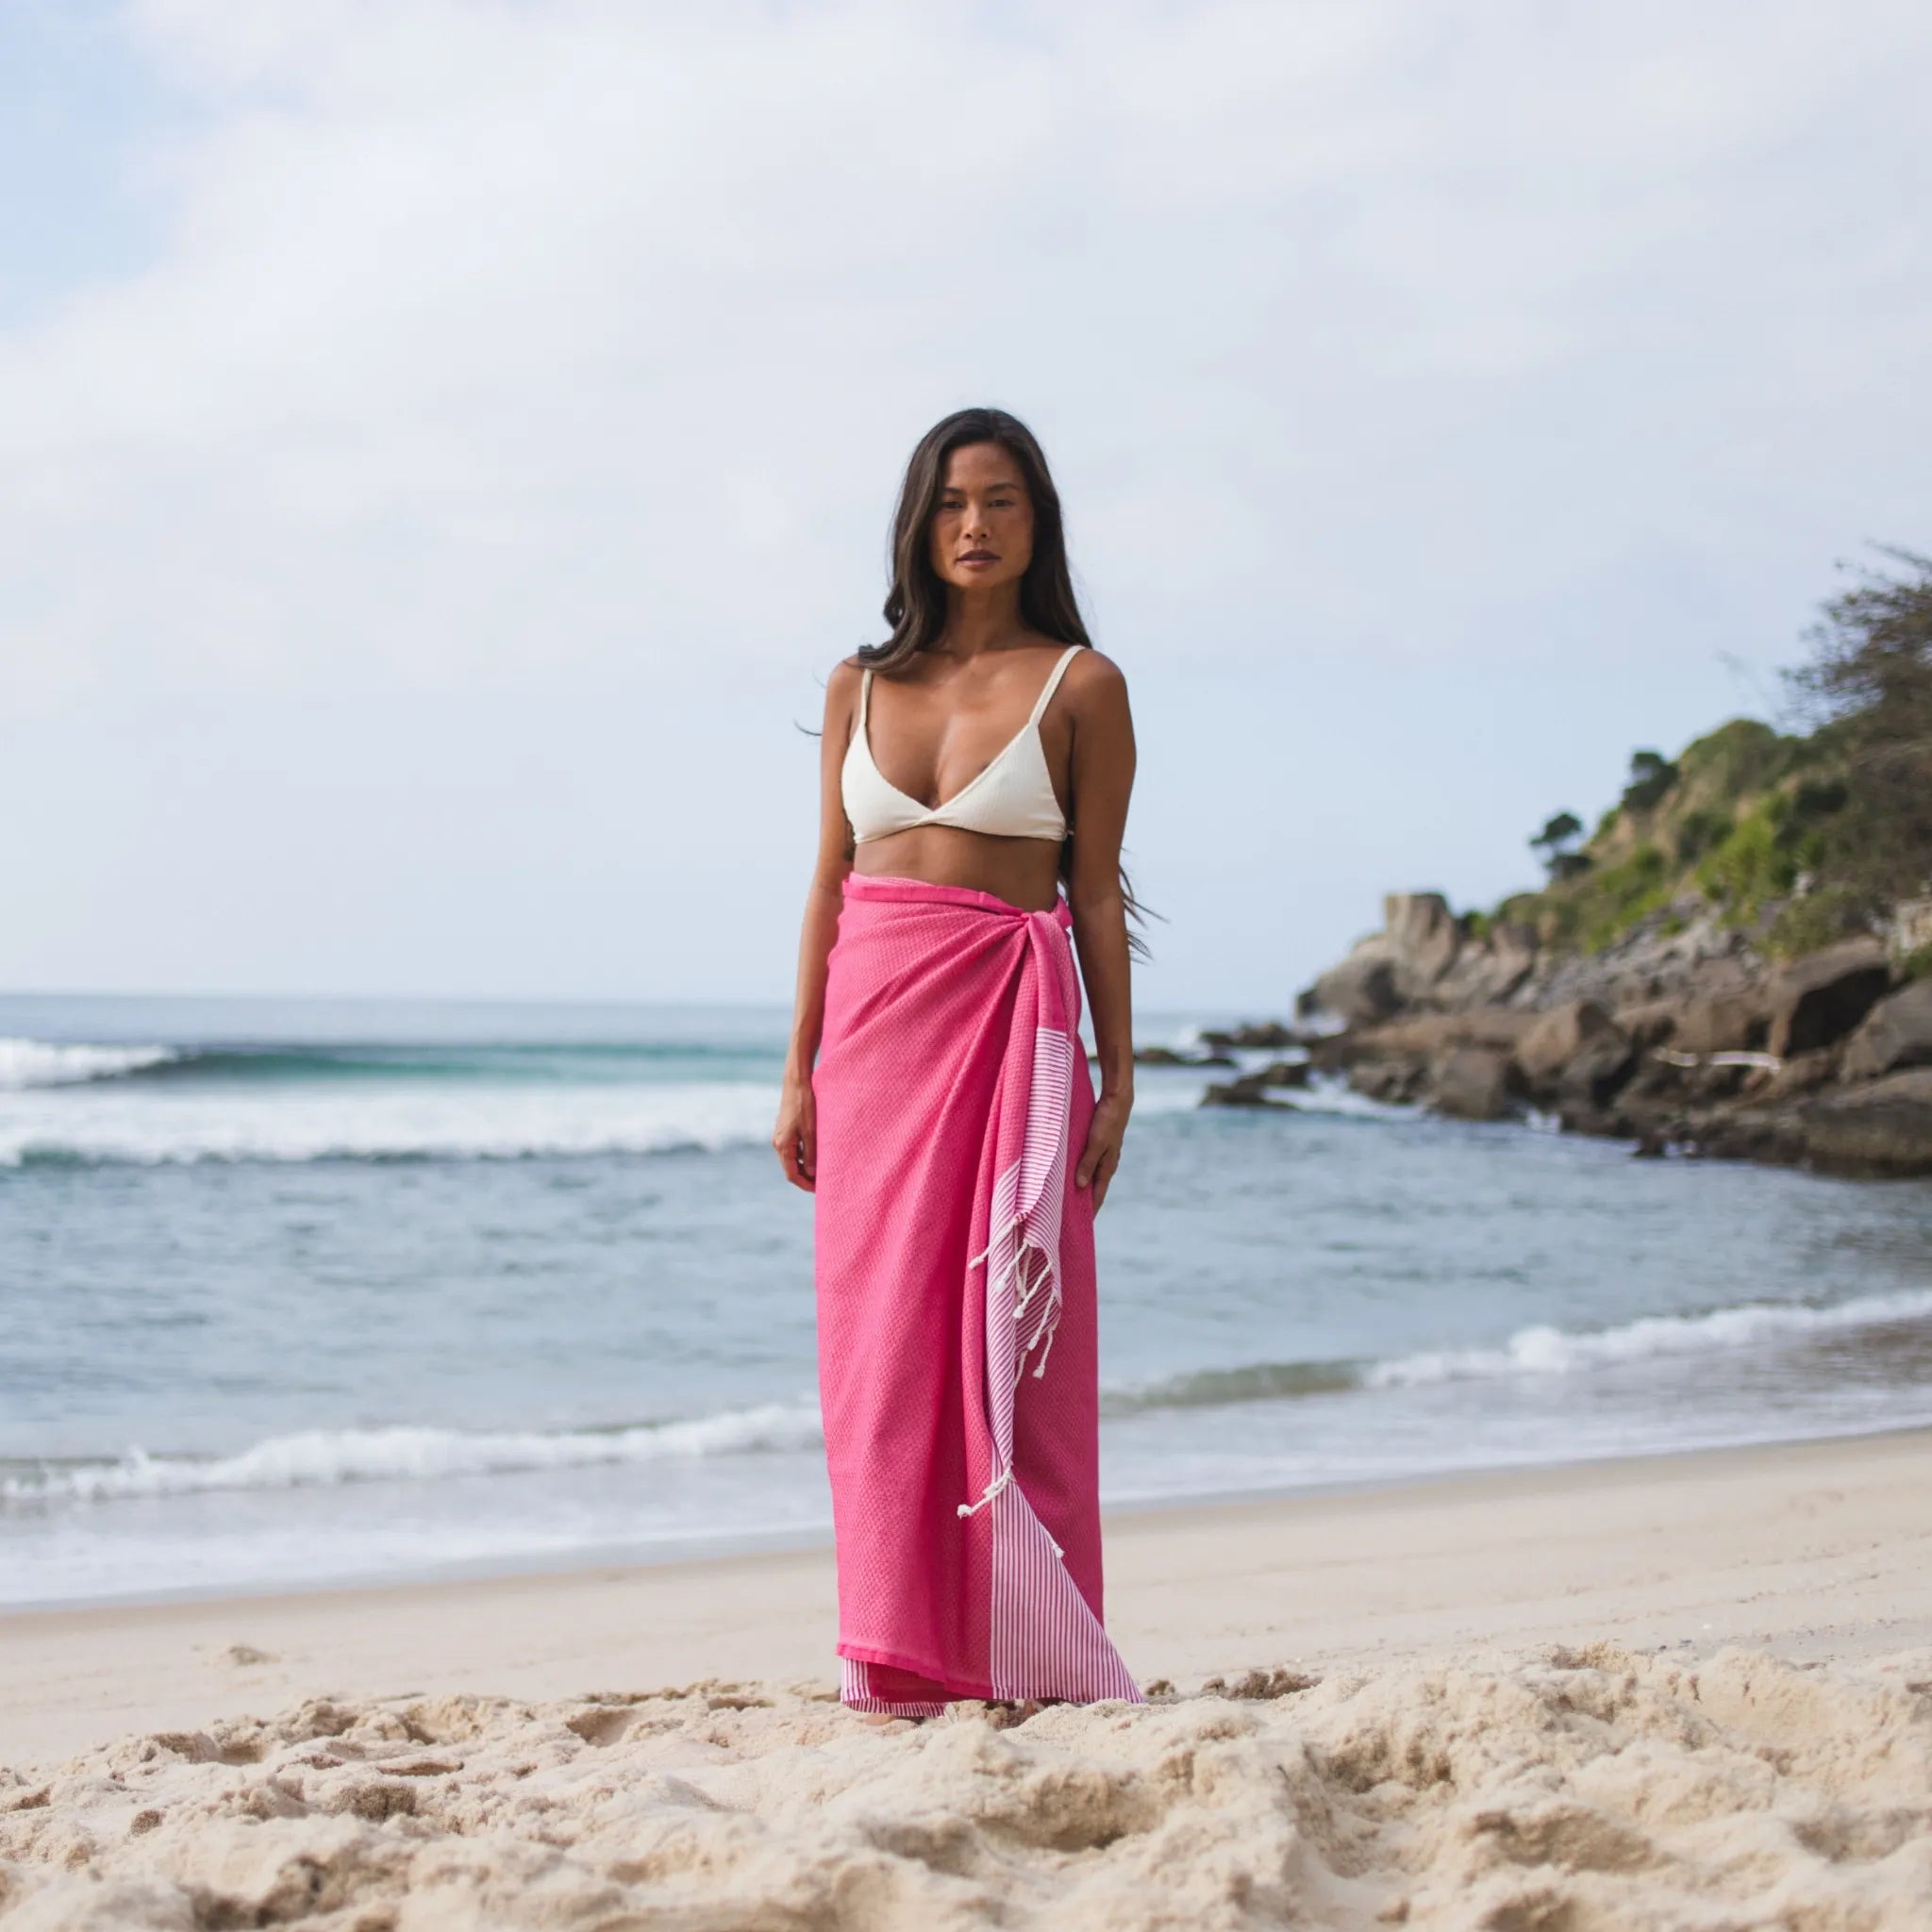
(316, 1456)
(1545, 1349)
(471, 1122)
(50, 1063)
(1537, 1351)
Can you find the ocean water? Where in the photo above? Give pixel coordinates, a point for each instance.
(296, 1292)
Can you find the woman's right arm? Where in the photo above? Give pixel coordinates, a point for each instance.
(795, 1137)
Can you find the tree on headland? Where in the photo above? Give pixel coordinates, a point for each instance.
(1554, 840)
(1802, 837)
(1870, 677)
(1652, 776)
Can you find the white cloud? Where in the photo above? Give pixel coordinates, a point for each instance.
(468, 309)
(485, 343)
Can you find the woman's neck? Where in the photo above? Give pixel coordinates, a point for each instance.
(980, 620)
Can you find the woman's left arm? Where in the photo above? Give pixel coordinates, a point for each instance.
(1102, 780)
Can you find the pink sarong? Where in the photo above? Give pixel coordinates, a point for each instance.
(957, 1363)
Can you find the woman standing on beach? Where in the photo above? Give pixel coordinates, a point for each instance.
(938, 1105)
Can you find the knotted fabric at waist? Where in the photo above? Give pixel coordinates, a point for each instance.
(888, 888)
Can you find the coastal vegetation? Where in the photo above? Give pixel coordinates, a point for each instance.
(1804, 837)
(1736, 960)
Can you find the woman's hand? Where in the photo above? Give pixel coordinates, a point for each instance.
(796, 1139)
(1102, 1154)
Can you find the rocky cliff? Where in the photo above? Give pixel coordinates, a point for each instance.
(1736, 960)
(1685, 1032)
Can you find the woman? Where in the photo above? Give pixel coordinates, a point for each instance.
(949, 1129)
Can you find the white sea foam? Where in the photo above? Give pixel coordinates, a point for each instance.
(1329, 1094)
(456, 1121)
(50, 1063)
(318, 1457)
(1544, 1350)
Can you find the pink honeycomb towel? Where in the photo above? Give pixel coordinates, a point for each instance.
(958, 1365)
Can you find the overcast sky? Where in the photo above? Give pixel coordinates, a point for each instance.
(445, 446)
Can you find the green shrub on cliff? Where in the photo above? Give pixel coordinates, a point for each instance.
(1829, 828)
(1753, 862)
(1740, 757)
(1816, 919)
(1736, 820)
(1620, 895)
(1745, 822)
(1697, 832)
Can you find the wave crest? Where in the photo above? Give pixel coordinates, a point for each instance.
(473, 1124)
(1544, 1350)
(323, 1457)
(316, 1456)
(25, 1064)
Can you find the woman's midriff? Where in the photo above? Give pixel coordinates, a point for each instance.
(1022, 872)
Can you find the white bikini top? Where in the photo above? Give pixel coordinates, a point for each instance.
(1012, 797)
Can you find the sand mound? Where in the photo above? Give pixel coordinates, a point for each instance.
(1598, 1790)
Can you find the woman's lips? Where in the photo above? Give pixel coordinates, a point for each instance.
(978, 559)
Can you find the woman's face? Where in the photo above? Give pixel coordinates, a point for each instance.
(982, 531)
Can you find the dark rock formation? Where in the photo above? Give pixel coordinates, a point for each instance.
(1410, 1059)
(1879, 1129)
(1727, 1023)
(1649, 1023)
(1895, 1034)
(1805, 1074)
(1424, 960)
(1491, 971)
(1398, 1079)
(1679, 1035)
(1267, 1033)
(1599, 1069)
(1250, 1090)
(1394, 968)
(1474, 1083)
(1577, 1052)
(1359, 990)
(1285, 1073)
(1254, 1090)
(1745, 1133)
(1820, 998)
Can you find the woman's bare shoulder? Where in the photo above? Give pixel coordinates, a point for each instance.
(841, 697)
(1092, 671)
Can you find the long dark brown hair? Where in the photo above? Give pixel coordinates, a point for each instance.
(915, 605)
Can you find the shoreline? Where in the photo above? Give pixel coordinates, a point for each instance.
(680, 1552)
(1815, 1548)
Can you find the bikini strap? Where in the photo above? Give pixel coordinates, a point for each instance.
(1053, 681)
(864, 695)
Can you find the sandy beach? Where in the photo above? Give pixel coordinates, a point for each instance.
(1691, 1690)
